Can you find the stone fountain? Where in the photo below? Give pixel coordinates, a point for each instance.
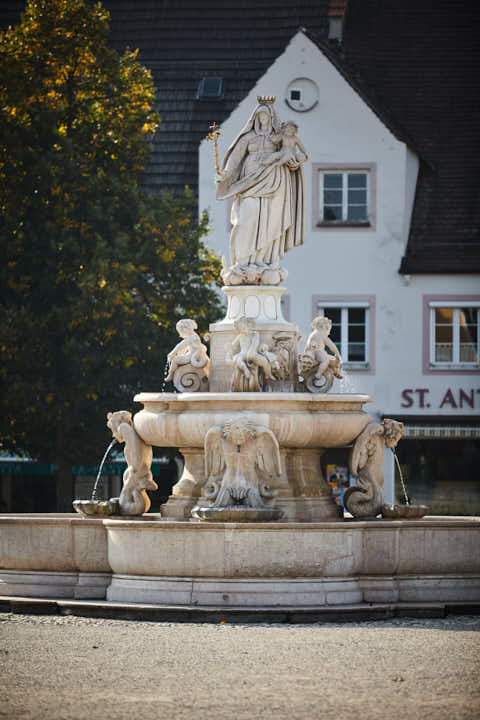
(252, 520)
(253, 419)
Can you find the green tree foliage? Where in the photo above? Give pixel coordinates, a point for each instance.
(94, 273)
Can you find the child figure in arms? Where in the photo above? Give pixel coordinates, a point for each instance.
(190, 350)
(315, 348)
(289, 141)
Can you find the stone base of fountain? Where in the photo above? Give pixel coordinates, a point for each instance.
(189, 564)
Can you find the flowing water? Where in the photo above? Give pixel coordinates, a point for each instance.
(401, 477)
(165, 373)
(94, 491)
(347, 385)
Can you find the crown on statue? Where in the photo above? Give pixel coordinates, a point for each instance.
(266, 99)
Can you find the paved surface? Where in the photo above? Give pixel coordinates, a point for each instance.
(55, 667)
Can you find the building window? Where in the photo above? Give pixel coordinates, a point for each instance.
(301, 94)
(454, 334)
(352, 329)
(344, 196)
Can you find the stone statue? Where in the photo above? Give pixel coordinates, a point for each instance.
(241, 458)
(317, 367)
(282, 355)
(365, 499)
(268, 187)
(188, 361)
(137, 478)
(252, 362)
(284, 345)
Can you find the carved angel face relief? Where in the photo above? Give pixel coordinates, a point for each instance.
(239, 430)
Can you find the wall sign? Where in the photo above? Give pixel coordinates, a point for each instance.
(460, 399)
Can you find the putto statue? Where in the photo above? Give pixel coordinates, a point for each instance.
(252, 362)
(242, 459)
(365, 499)
(188, 361)
(262, 171)
(137, 478)
(317, 367)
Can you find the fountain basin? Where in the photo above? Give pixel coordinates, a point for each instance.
(303, 424)
(298, 420)
(151, 560)
(94, 508)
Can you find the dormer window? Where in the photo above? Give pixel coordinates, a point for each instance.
(210, 88)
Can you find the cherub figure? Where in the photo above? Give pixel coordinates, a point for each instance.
(315, 349)
(247, 358)
(289, 141)
(189, 351)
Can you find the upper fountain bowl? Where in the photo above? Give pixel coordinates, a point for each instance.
(299, 420)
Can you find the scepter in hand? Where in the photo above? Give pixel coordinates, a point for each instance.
(214, 135)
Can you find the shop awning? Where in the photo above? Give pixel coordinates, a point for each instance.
(447, 432)
(31, 467)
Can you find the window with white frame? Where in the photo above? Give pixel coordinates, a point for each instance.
(344, 197)
(454, 334)
(350, 330)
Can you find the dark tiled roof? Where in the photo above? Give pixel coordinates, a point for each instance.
(413, 61)
(421, 57)
(182, 41)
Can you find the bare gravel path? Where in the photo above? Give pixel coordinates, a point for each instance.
(71, 668)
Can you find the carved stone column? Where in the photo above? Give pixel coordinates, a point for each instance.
(189, 488)
(309, 497)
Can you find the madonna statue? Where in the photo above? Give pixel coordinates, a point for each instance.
(262, 172)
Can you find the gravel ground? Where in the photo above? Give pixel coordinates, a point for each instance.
(70, 667)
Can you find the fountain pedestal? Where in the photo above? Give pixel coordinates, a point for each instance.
(262, 306)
